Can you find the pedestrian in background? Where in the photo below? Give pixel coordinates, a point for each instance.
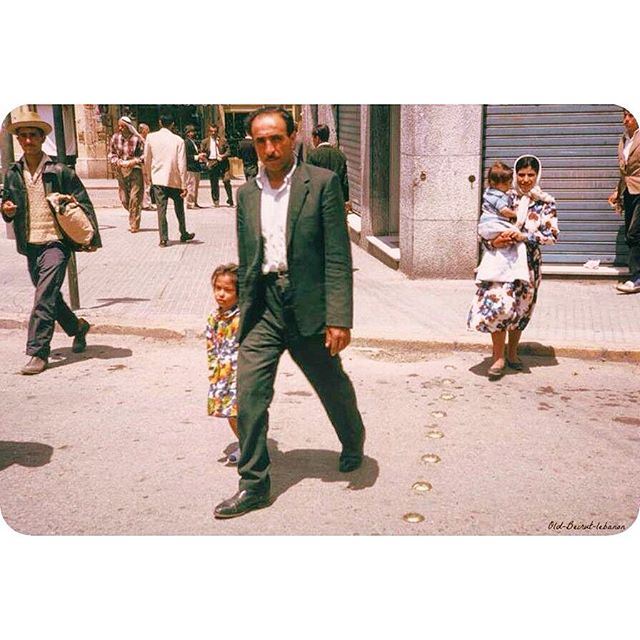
(147, 196)
(626, 197)
(166, 162)
(222, 350)
(38, 237)
(193, 166)
(126, 151)
(247, 153)
(215, 152)
(502, 308)
(325, 155)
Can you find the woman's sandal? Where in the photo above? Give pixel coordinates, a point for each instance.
(496, 372)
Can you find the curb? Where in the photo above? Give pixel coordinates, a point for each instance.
(410, 349)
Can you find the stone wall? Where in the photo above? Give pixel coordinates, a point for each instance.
(440, 189)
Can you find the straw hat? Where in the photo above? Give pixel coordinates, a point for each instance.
(28, 119)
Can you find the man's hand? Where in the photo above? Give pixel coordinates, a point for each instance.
(9, 208)
(348, 208)
(183, 193)
(336, 339)
(614, 201)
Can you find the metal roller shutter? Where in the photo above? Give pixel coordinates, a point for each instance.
(577, 145)
(349, 143)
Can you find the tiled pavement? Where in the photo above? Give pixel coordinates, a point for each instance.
(133, 284)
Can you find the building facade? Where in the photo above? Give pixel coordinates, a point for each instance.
(416, 174)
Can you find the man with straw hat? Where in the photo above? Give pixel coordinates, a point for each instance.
(27, 184)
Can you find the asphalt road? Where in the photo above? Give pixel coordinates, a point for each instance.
(117, 441)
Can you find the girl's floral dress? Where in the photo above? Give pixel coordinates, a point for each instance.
(506, 306)
(222, 355)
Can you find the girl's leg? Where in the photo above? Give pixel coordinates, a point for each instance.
(233, 423)
(498, 339)
(512, 349)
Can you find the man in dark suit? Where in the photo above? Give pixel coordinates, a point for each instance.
(193, 166)
(327, 156)
(215, 152)
(296, 293)
(247, 153)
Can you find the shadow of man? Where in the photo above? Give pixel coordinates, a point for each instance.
(26, 454)
(64, 356)
(291, 467)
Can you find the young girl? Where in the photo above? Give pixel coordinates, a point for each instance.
(222, 349)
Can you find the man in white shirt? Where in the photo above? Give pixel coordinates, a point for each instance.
(166, 162)
(215, 152)
(626, 197)
(295, 285)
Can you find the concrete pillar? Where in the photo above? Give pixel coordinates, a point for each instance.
(92, 142)
(440, 189)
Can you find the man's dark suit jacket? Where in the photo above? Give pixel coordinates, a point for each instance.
(57, 178)
(248, 155)
(191, 149)
(318, 253)
(223, 149)
(333, 159)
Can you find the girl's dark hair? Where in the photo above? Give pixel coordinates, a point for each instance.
(230, 270)
(499, 173)
(528, 162)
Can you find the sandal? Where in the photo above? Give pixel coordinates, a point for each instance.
(496, 372)
(515, 364)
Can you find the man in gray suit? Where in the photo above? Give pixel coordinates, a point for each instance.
(296, 293)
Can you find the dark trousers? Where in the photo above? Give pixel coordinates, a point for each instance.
(258, 357)
(220, 170)
(632, 230)
(162, 195)
(47, 268)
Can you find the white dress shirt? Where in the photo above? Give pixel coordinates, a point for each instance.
(213, 149)
(274, 204)
(628, 141)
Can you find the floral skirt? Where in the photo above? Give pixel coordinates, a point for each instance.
(506, 306)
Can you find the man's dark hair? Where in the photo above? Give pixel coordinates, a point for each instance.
(321, 131)
(281, 111)
(499, 173)
(528, 162)
(166, 120)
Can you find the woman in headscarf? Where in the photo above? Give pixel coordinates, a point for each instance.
(502, 308)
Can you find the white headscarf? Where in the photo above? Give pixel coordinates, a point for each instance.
(534, 194)
(129, 124)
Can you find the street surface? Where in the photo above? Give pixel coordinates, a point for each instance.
(117, 441)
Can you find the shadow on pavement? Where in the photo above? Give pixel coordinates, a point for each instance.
(532, 354)
(26, 454)
(109, 301)
(291, 467)
(64, 356)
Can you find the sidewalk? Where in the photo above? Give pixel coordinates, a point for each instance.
(133, 286)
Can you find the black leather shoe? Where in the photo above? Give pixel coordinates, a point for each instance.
(350, 462)
(229, 203)
(162, 243)
(34, 366)
(241, 503)
(80, 340)
(187, 237)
